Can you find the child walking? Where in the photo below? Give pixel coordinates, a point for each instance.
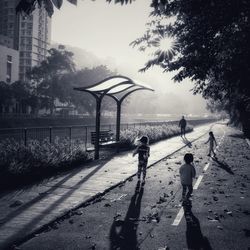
(212, 142)
(187, 174)
(143, 151)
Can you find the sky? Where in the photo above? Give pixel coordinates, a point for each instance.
(106, 30)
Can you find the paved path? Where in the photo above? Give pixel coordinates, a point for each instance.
(47, 201)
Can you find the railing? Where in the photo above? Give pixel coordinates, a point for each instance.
(74, 133)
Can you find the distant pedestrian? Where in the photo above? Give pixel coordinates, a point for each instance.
(187, 174)
(143, 151)
(182, 125)
(212, 142)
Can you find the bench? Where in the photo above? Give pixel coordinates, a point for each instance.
(105, 138)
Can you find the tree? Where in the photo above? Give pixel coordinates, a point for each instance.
(56, 78)
(5, 96)
(83, 78)
(28, 6)
(48, 78)
(24, 96)
(210, 46)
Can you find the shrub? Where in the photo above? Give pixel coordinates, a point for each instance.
(154, 133)
(38, 158)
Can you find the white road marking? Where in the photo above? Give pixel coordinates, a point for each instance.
(178, 217)
(181, 211)
(248, 142)
(206, 167)
(196, 185)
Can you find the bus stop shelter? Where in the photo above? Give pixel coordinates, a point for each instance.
(118, 88)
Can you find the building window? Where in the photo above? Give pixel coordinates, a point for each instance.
(22, 41)
(21, 69)
(9, 58)
(11, 18)
(9, 67)
(29, 41)
(21, 76)
(10, 32)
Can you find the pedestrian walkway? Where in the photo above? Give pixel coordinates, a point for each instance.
(26, 210)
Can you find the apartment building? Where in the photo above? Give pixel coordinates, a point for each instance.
(31, 35)
(9, 60)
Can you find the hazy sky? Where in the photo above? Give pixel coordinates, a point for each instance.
(106, 30)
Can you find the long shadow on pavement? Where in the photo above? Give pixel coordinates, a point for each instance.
(186, 141)
(31, 224)
(195, 239)
(223, 165)
(123, 233)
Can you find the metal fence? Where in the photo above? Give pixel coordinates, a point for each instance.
(75, 133)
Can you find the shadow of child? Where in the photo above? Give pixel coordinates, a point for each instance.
(194, 236)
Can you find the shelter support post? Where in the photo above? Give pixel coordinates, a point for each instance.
(118, 121)
(112, 86)
(97, 126)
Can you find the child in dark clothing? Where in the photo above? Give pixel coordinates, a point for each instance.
(212, 142)
(187, 173)
(143, 151)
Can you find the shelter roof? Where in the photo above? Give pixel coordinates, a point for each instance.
(114, 85)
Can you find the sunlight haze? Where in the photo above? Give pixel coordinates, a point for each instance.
(106, 30)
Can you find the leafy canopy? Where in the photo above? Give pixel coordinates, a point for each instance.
(48, 77)
(210, 47)
(27, 6)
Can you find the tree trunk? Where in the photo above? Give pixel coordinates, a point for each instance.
(51, 108)
(245, 121)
